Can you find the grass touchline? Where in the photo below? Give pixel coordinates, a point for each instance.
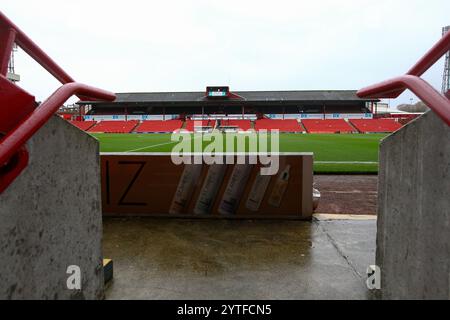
(334, 153)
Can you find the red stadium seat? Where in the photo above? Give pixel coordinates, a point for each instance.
(327, 126)
(243, 125)
(376, 125)
(290, 125)
(159, 126)
(190, 124)
(114, 126)
(83, 125)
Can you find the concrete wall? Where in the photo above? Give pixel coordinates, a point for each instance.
(413, 237)
(50, 218)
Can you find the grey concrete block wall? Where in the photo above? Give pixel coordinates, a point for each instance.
(413, 232)
(50, 218)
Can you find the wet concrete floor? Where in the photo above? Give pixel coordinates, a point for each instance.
(241, 259)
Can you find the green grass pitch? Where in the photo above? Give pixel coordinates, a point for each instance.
(333, 153)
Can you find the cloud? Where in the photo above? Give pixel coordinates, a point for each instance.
(250, 45)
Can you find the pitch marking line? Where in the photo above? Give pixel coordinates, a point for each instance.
(156, 145)
(318, 162)
(346, 162)
(152, 146)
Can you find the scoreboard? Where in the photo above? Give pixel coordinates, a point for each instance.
(218, 92)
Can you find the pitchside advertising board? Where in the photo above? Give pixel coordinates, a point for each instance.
(144, 117)
(152, 185)
(141, 117)
(319, 116)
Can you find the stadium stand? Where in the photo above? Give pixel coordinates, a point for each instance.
(290, 125)
(376, 125)
(83, 125)
(159, 126)
(243, 125)
(327, 126)
(106, 111)
(203, 123)
(114, 126)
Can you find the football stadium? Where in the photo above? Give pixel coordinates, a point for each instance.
(220, 201)
(342, 130)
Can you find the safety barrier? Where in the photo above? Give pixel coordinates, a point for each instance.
(439, 103)
(20, 116)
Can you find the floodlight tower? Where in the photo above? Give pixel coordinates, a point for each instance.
(446, 75)
(11, 75)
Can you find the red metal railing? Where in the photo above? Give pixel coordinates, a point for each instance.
(392, 88)
(20, 119)
(27, 45)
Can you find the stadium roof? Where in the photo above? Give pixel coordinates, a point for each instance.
(242, 96)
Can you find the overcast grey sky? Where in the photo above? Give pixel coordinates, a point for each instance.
(129, 46)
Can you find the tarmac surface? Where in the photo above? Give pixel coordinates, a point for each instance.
(239, 259)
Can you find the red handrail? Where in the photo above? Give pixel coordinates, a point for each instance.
(28, 126)
(13, 155)
(392, 88)
(33, 50)
(431, 57)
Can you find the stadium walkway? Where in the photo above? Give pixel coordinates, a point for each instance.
(221, 259)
